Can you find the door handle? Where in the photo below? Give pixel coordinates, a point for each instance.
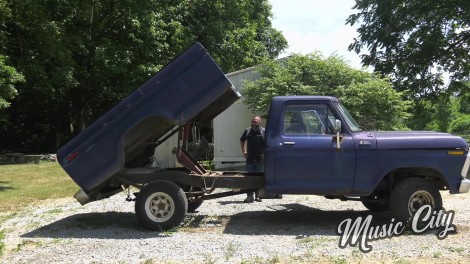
(365, 144)
(289, 143)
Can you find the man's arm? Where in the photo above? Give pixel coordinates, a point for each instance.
(242, 145)
(243, 139)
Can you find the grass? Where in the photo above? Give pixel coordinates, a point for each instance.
(339, 260)
(232, 248)
(27, 243)
(26, 184)
(2, 245)
(313, 241)
(459, 250)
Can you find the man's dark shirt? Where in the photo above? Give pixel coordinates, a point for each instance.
(254, 144)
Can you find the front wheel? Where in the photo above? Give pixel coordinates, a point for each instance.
(410, 195)
(161, 205)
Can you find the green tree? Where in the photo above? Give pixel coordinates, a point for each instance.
(238, 34)
(461, 90)
(414, 41)
(461, 124)
(438, 114)
(442, 113)
(375, 104)
(80, 57)
(8, 78)
(370, 98)
(421, 114)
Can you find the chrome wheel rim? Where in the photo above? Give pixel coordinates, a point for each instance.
(418, 200)
(159, 207)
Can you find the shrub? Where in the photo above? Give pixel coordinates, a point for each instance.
(461, 124)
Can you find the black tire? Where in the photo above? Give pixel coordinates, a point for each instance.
(161, 205)
(410, 195)
(376, 206)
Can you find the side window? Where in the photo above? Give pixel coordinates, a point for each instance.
(312, 119)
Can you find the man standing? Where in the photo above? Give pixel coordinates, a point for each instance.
(253, 151)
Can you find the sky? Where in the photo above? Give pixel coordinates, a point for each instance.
(316, 25)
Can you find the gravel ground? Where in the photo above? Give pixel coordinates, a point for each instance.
(295, 229)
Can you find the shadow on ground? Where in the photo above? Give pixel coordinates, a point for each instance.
(108, 225)
(284, 219)
(3, 186)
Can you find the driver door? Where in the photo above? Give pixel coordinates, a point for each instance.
(306, 156)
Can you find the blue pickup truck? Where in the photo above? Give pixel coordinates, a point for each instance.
(313, 146)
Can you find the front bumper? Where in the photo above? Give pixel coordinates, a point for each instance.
(464, 186)
(465, 183)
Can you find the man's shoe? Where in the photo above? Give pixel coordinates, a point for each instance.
(249, 199)
(258, 199)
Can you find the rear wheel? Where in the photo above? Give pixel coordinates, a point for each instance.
(410, 195)
(161, 205)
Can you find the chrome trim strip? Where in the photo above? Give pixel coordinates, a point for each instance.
(466, 166)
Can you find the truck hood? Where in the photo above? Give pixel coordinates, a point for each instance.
(418, 140)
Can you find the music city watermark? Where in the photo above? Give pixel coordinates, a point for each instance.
(361, 232)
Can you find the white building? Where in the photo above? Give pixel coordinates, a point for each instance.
(229, 125)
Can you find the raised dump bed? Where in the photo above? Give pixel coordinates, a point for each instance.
(190, 89)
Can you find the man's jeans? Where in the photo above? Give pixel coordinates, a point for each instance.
(254, 167)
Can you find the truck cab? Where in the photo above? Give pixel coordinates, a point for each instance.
(314, 146)
(302, 150)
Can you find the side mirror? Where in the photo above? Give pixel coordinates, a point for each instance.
(337, 127)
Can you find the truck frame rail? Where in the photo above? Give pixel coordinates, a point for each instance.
(208, 181)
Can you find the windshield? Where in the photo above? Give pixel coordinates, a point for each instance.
(348, 118)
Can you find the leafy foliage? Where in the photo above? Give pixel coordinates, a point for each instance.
(445, 113)
(375, 104)
(370, 98)
(461, 90)
(81, 57)
(8, 78)
(461, 124)
(414, 41)
(238, 34)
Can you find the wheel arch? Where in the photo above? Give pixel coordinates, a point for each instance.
(410, 195)
(393, 177)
